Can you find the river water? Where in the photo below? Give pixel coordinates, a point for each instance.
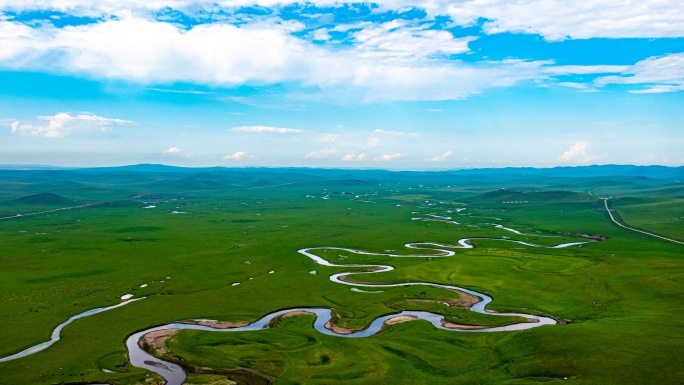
(175, 375)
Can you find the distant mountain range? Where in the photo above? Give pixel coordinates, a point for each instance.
(657, 172)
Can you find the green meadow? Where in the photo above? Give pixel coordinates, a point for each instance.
(181, 238)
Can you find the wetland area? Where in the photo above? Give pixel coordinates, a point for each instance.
(258, 276)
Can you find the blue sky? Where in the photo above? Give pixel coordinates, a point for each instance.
(391, 84)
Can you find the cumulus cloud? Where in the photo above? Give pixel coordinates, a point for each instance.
(149, 51)
(64, 124)
(321, 34)
(380, 61)
(236, 156)
(386, 157)
(377, 68)
(576, 153)
(172, 151)
(266, 129)
(353, 157)
(442, 157)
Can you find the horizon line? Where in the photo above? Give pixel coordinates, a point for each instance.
(48, 167)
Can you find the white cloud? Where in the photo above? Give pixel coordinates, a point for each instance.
(659, 89)
(442, 157)
(149, 52)
(387, 132)
(172, 151)
(321, 34)
(439, 80)
(576, 153)
(236, 156)
(658, 73)
(353, 157)
(575, 85)
(322, 153)
(559, 19)
(64, 124)
(396, 40)
(551, 69)
(553, 19)
(18, 44)
(266, 129)
(393, 60)
(265, 52)
(386, 157)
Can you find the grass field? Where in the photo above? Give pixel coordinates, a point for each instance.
(622, 296)
(663, 216)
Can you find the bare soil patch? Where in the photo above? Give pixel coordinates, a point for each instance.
(155, 342)
(400, 319)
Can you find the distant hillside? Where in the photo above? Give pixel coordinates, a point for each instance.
(629, 173)
(45, 198)
(621, 174)
(638, 173)
(516, 196)
(114, 182)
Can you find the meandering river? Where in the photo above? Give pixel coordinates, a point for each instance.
(56, 334)
(175, 375)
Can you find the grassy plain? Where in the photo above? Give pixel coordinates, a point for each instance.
(663, 216)
(212, 228)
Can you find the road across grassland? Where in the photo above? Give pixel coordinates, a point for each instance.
(612, 218)
(47, 211)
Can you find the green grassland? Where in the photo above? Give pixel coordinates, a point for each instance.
(663, 216)
(623, 297)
